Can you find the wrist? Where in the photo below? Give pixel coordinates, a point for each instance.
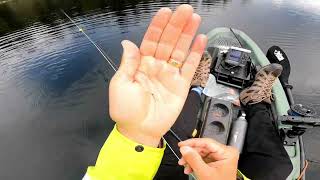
(140, 137)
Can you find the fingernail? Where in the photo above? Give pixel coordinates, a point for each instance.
(165, 9)
(185, 171)
(185, 149)
(203, 36)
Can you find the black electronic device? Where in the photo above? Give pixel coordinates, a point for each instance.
(237, 56)
(233, 66)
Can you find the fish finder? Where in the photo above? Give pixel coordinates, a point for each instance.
(237, 56)
(232, 66)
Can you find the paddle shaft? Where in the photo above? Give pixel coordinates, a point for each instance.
(288, 90)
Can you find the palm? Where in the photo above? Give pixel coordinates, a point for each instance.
(154, 100)
(147, 93)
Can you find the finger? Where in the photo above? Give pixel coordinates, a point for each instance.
(182, 47)
(198, 142)
(152, 36)
(190, 65)
(187, 169)
(202, 151)
(130, 59)
(216, 150)
(171, 33)
(194, 160)
(203, 154)
(182, 162)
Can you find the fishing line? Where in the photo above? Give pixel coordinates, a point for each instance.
(112, 64)
(175, 153)
(170, 148)
(92, 42)
(175, 135)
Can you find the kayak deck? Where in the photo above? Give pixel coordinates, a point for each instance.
(224, 37)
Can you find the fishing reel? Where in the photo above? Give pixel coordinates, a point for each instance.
(232, 66)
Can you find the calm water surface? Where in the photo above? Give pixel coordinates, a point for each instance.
(53, 82)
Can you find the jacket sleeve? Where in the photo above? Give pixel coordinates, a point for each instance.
(122, 158)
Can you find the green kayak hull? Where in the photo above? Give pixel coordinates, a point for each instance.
(223, 36)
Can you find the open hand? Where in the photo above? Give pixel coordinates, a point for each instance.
(209, 159)
(147, 93)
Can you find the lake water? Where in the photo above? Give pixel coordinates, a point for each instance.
(53, 82)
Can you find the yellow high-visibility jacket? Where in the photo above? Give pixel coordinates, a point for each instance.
(123, 159)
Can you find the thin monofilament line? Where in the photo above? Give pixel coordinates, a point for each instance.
(98, 48)
(175, 135)
(115, 69)
(170, 148)
(175, 153)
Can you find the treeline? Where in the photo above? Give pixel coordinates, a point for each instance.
(16, 14)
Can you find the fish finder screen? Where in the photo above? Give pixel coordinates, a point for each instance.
(235, 55)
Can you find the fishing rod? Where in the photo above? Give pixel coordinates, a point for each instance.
(112, 64)
(236, 37)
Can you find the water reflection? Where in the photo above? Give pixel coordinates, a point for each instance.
(53, 82)
(18, 14)
(309, 6)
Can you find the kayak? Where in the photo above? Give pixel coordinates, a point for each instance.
(281, 105)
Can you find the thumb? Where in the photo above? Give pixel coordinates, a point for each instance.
(194, 160)
(130, 59)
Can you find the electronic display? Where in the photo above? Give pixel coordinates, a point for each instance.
(235, 55)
